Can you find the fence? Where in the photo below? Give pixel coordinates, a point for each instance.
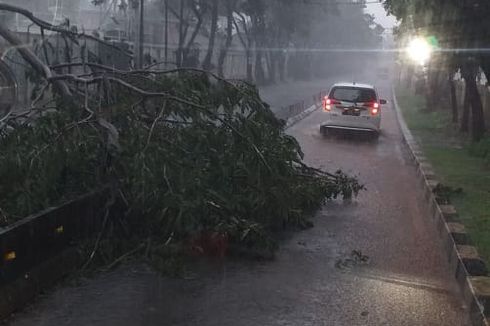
(299, 107)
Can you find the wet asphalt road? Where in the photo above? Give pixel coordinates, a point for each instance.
(403, 278)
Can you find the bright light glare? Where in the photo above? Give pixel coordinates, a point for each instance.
(419, 50)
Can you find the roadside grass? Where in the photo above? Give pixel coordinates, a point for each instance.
(455, 163)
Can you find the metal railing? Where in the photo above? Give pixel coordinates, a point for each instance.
(299, 107)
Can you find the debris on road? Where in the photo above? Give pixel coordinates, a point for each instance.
(355, 258)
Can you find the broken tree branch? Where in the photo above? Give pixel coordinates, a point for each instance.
(127, 85)
(33, 60)
(47, 26)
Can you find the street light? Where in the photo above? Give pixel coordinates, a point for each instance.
(419, 50)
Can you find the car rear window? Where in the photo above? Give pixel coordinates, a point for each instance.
(353, 94)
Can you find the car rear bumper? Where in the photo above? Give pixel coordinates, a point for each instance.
(360, 123)
(350, 128)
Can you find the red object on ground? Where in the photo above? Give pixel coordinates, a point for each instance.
(210, 244)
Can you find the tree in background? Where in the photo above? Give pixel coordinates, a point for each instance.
(462, 28)
(279, 38)
(230, 8)
(191, 15)
(293, 37)
(207, 63)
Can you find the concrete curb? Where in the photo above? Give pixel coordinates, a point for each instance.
(465, 262)
(42, 248)
(19, 293)
(293, 120)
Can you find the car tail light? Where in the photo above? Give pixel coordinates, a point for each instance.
(373, 107)
(328, 102)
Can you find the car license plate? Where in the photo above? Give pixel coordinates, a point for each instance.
(352, 111)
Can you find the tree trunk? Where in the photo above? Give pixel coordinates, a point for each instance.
(247, 45)
(259, 68)
(477, 117)
(281, 64)
(469, 71)
(274, 65)
(432, 94)
(180, 47)
(166, 33)
(34, 61)
(454, 101)
(249, 65)
(140, 40)
(212, 37)
(186, 60)
(465, 118)
(229, 37)
(271, 70)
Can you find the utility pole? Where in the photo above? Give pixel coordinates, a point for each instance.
(140, 38)
(181, 34)
(166, 32)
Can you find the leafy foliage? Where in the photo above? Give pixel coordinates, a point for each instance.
(208, 157)
(43, 164)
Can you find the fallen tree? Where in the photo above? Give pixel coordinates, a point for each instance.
(193, 161)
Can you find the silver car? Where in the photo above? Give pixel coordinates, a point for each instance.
(352, 106)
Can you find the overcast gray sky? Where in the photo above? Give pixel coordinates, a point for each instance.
(381, 18)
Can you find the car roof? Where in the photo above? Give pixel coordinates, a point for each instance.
(359, 85)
